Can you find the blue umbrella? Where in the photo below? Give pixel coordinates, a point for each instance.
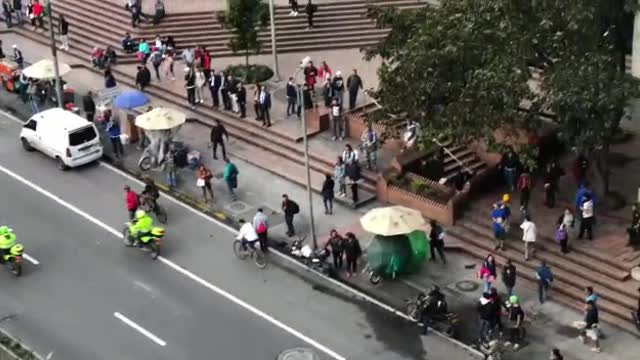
(131, 99)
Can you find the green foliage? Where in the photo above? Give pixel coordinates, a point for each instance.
(253, 74)
(419, 186)
(245, 18)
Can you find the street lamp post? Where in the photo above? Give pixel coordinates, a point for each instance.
(54, 53)
(305, 140)
(274, 49)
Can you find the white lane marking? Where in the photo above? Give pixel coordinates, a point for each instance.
(178, 268)
(31, 259)
(140, 329)
(12, 117)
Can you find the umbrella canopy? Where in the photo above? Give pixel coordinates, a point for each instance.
(160, 119)
(131, 99)
(43, 69)
(393, 220)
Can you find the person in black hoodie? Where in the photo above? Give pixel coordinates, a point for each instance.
(242, 100)
(327, 194)
(337, 87)
(509, 277)
(290, 208)
(352, 251)
(218, 133)
(436, 237)
(336, 242)
(63, 28)
(190, 85)
(310, 9)
(143, 77)
(592, 321)
(89, 106)
(292, 97)
(214, 86)
(487, 310)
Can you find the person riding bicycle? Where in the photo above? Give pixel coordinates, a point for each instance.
(142, 225)
(150, 192)
(7, 240)
(247, 234)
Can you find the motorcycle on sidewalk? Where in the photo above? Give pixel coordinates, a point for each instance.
(316, 260)
(436, 306)
(150, 243)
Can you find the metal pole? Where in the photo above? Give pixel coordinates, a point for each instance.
(274, 49)
(306, 164)
(54, 53)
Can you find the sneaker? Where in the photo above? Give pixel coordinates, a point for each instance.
(292, 13)
(334, 138)
(595, 349)
(516, 347)
(295, 13)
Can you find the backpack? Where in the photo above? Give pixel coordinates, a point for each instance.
(294, 207)
(262, 228)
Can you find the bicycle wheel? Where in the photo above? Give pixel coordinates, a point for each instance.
(126, 237)
(145, 163)
(412, 311)
(161, 214)
(258, 258)
(238, 252)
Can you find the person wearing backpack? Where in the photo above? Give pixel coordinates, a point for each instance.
(261, 224)
(290, 208)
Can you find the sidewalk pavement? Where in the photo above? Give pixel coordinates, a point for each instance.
(549, 326)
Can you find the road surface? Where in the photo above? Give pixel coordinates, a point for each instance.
(86, 296)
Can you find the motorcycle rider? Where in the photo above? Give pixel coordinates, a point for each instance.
(142, 226)
(433, 306)
(150, 192)
(7, 240)
(247, 234)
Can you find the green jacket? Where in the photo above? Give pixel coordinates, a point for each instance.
(230, 171)
(7, 241)
(143, 225)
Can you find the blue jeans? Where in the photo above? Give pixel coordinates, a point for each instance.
(509, 290)
(486, 284)
(486, 328)
(34, 106)
(510, 177)
(172, 178)
(544, 288)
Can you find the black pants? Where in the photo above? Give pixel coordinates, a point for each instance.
(264, 241)
(90, 116)
(191, 96)
(156, 67)
(226, 100)
(550, 195)
(352, 264)
(214, 96)
(132, 214)
(328, 204)
(586, 225)
(266, 120)
(243, 109)
(353, 95)
(354, 192)
(337, 259)
(294, 5)
(7, 19)
(439, 248)
(291, 105)
(215, 149)
(525, 194)
(258, 110)
(117, 146)
(310, 20)
(288, 219)
(564, 246)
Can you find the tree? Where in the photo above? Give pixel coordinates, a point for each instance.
(458, 69)
(246, 18)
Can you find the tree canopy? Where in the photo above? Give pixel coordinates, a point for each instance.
(464, 68)
(245, 18)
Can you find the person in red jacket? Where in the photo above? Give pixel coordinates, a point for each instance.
(132, 202)
(38, 14)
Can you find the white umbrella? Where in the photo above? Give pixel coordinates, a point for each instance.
(160, 119)
(393, 220)
(44, 70)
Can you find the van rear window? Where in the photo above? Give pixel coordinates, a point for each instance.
(82, 136)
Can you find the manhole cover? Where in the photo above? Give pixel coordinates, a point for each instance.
(467, 285)
(298, 354)
(237, 207)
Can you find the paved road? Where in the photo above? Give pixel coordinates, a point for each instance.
(217, 308)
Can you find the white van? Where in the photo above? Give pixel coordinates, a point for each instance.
(64, 136)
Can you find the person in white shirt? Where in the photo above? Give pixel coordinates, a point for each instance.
(247, 234)
(586, 221)
(529, 233)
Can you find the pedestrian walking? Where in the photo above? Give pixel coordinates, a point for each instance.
(337, 120)
(352, 251)
(354, 84)
(109, 79)
(544, 275)
(311, 76)
(17, 9)
(509, 276)
(261, 223)
(498, 222)
(583, 190)
(38, 15)
(562, 237)
(294, 7)
(168, 64)
(337, 87)
(292, 97)
(487, 311)
(487, 273)
(524, 186)
(113, 129)
(354, 178)
(143, 77)
(224, 92)
(63, 29)
(190, 86)
(231, 177)
(591, 295)
(509, 166)
(369, 147)
(516, 322)
(337, 244)
(591, 329)
(155, 59)
(265, 106)
(556, 355)
(204, 181)
(200, 80)
(89, 106)
(7, 10)
(587, 217)
(310, 9)
(436, 241)
(242, 100)
(340, 175)
(132, 201)
(33, 96)
(17, 56)
(566, 218)
(218, 134)
(495, 297)
(328, 194)
(290, 209)
(172, 169)
(232, 91)
(552, 175)
(529, 234)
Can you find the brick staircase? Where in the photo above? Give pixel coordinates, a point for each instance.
(336, 26)
(584, 266)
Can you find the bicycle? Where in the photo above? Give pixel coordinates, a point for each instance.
(241, 252)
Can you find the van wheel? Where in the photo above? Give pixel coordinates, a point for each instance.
(61, 165)
(26, 145)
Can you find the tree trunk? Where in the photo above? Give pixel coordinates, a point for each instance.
(246, 60)
(635, 54)
(600, 171)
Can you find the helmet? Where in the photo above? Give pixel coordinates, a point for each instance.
(506, 198)
(514, 299)
(140, 214)
(4, 230)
